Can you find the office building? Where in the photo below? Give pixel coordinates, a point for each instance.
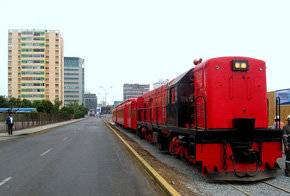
(74, 80)
(35, 64)
(160, 83)
(134, 90)
(91, 101)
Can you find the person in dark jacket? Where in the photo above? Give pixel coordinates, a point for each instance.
(286, 141)
(10, 122)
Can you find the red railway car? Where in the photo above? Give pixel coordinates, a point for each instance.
(215, 115)
(132, 113)
(125, 114)
(121, 115)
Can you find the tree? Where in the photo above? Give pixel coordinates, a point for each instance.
(12, 102)
(26, 103)
(74, 108)
(36, 104)
(18, 103)
(67, 110)
(47, 106)
(3, 102)
(57, 104)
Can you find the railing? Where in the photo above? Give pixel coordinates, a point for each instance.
(26, 120)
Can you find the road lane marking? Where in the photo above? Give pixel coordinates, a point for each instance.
(45, 152)
(5, 180)
(65, 138)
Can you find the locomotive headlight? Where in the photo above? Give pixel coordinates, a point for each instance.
(237, 65)
(244, 65)
(240, 65)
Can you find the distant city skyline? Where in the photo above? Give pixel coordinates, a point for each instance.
(142, 41)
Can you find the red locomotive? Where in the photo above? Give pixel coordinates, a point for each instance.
(214, 115)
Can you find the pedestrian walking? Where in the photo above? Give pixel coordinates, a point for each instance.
(10, 122)
(286, 141)
(276, 123)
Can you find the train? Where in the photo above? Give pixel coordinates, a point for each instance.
(213, 116)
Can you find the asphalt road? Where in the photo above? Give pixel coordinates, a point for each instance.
(83, 158)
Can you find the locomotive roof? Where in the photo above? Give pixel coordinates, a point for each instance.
(179, 78)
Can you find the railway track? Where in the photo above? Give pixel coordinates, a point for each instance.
(267, 183)
(239, 189)
(275, 186)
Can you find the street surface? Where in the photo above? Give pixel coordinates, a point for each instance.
(82, 158)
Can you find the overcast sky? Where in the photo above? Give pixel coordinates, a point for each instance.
(143, 41)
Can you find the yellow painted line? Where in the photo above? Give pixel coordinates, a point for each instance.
(167, 188)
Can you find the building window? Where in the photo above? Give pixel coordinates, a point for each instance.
(71, 74)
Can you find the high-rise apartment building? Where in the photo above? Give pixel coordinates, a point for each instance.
(134, 90)
(35, 64)
(74, 83)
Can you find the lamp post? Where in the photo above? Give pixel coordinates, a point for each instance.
(105, 90)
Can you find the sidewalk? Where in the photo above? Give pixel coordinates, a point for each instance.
(39, 129)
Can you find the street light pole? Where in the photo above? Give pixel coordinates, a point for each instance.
(105, 90)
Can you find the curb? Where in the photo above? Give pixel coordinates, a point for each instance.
(166, 188)
(43, 130)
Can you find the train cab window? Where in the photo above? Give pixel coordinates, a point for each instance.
(186, 93)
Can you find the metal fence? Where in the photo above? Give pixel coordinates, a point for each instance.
(26, 120)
